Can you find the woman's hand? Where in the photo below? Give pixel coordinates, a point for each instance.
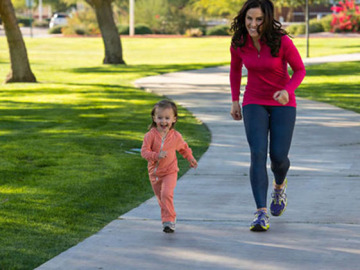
(236, 111)
(281, 96)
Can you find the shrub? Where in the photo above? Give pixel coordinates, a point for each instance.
(296, 29)
(24, 21)
(315, 26)
(142, 29)
(42, 24)
(219, 30)
(80, 31)
(123, 29)
(301, 29)
(347, 17)
(56, 30)
(326, 22)
(292, 29)
(82, 23)
(193, 32)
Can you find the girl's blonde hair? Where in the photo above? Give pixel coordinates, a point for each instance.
(163, 104)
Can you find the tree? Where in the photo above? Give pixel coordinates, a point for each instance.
(216, 8)
(109, 32)
(20, 66)
(152, 13)
(292, 4)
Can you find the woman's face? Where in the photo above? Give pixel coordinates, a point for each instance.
(254, 17)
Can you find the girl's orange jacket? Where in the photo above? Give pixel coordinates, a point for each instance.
(152, 145)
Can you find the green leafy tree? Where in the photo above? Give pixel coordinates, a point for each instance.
(20, 66)
(19, 4)
(56, 5)
(292, 4)
(166, 16)
(215, 8)
(180, 16)
(152, 13)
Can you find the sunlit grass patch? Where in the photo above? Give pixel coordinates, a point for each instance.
(69, 159)
(334, 83)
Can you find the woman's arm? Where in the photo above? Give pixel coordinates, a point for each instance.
(235, 74)
(292, 56)
(235, 83)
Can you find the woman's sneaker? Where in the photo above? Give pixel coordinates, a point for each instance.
(260, 222)
(278, 201)
(168, 227)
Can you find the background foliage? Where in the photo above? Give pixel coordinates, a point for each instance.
(347, 17)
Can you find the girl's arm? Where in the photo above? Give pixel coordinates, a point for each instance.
(184, 149)
(146, 151)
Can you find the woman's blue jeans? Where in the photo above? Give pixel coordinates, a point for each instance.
(268, 127)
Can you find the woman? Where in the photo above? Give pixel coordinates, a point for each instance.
(269, 105)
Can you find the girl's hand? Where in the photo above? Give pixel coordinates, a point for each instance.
(236, 111)
(281, 96)
(193, 163)
(162, 154)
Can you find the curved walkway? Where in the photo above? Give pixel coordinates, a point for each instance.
(320, 229)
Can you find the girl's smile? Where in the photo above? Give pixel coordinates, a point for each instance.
(164, 119)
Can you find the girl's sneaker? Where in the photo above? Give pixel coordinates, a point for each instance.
(278, 201)
(168, 227)
(260, 222)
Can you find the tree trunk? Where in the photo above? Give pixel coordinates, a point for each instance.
(290, 15)
(109, 32)
(20, 66)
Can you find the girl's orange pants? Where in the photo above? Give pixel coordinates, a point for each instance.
(164, 191)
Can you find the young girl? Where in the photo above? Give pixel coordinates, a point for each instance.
(159, 149)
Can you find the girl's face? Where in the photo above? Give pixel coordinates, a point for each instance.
(254, 17)
(164, 119)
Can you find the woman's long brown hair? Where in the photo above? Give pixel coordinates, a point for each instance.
(271, 31)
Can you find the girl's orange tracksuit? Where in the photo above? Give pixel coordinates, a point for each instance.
(163, 172)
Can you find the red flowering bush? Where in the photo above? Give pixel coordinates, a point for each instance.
(346, 17)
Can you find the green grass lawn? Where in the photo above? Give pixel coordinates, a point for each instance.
(68, 144)
(328, 46)
(68, 159)
(334, 83)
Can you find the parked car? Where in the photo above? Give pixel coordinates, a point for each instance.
(58, 19)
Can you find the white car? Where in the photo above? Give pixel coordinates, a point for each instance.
(58, 19)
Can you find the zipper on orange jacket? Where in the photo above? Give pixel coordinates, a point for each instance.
(157, 164)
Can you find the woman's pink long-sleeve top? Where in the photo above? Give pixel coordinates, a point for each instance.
(266, 74)
(154, 143)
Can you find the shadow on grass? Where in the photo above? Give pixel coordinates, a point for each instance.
(140, 69)
(65, 165)
(334, 69)
(345, 96)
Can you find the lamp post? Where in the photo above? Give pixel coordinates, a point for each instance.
(307, 27)
(131, 18)
(29, 4)
(40, 10)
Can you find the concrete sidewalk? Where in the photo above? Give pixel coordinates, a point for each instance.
(319, 230)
